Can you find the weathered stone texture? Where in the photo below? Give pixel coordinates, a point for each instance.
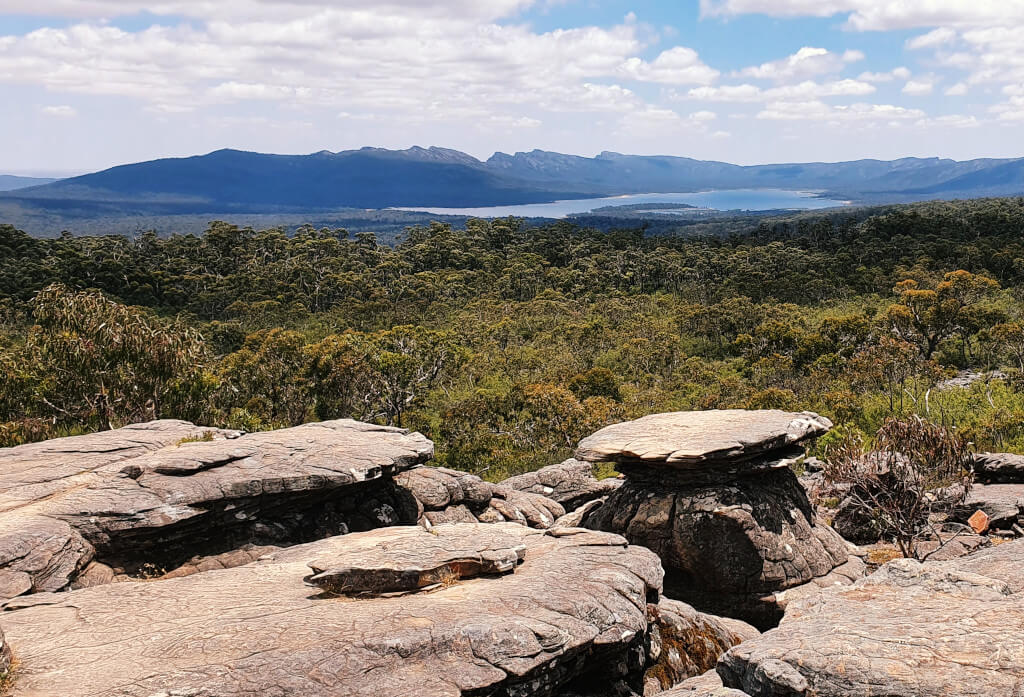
(575, 608)
(909, 630)
(571, 483)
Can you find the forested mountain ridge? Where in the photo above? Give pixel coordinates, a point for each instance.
(506, 343)
(236, 181)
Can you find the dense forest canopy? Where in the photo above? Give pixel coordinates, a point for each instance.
(506, 343)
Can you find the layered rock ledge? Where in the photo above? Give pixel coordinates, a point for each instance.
(713, 495)
(149, 497)
(909, 630)
(572, 615)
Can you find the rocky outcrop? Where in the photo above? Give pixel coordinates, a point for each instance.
(911, 629)
(147, 498)
(571, 616)
(1003, 505)
(713, 495)
(995, 468)
(685, 643)
(571, 483)
(451, 496)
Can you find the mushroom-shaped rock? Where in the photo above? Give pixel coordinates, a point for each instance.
(908, 630)
(712, 494)
(697, 439)
(157, 494)
(575, 607)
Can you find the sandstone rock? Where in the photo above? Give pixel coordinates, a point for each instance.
(999, 467)
(144, 495)
(686, 643)
(1002, 503)
(574, 610)
(707, 685)
(844, 575)
(727, 548)
(979, 521)
(575, 519)
(571, 483)
(451, 496)
(408, 559)
(910, 629)
(694, 439)
(950, 546)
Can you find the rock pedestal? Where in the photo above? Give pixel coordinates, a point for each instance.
(711, 493)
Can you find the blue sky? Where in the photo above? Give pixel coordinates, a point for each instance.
(92, 83)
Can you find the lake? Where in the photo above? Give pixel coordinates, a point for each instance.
(722, 200)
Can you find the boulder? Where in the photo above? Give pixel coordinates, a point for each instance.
(994, 468)
(712, 494)
(571, 615)
(855, 524)
(571, 483)
(146, 498)
(450, 496)
(910, 629)
(1003, 504)
(685, 643)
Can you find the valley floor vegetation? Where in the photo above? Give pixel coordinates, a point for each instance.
(506, 343)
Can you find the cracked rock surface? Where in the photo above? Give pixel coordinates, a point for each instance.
(166, 491)
(909, 630)
(574, 608)
(571, 483)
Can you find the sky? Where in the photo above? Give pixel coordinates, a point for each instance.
(88, 84)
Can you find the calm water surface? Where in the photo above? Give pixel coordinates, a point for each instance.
(723, 200)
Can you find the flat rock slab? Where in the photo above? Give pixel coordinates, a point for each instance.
(143, 488)
(696, 439)
(408, 559)
(1002, 503)
(999, 467)
(576, 605)
(911, 629)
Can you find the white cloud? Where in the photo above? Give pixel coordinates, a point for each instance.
(807, 62)
(881, 15)
(900, 73)
(676, 66)
(819, 111)
(957, 90)
(937, 37)
(703, 116)
(800, 91)
(918, 88)
(63, 111)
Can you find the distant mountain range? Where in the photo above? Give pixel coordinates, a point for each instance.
(10, 182)
(236, 181)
